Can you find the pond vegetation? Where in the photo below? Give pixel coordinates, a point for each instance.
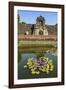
(37, 65)
(40, 64)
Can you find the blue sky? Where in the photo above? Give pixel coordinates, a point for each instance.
(30, 16)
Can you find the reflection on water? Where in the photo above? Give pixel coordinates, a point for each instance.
(26, 74)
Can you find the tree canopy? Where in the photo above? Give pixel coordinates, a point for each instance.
(18, 18)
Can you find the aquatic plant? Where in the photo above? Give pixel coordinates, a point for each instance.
(38, 65)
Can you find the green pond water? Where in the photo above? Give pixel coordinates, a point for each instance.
(26, 73)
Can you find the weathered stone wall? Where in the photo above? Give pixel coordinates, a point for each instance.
(22, 28)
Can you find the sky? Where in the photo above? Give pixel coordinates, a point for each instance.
(30, 16)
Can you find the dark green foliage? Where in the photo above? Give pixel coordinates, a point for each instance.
(23, 23)
(18, 18)
(39, 55)
(19, 57)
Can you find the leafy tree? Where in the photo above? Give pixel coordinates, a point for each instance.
(18, 18)
(23, 23)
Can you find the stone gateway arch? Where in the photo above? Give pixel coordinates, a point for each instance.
(40, 28)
